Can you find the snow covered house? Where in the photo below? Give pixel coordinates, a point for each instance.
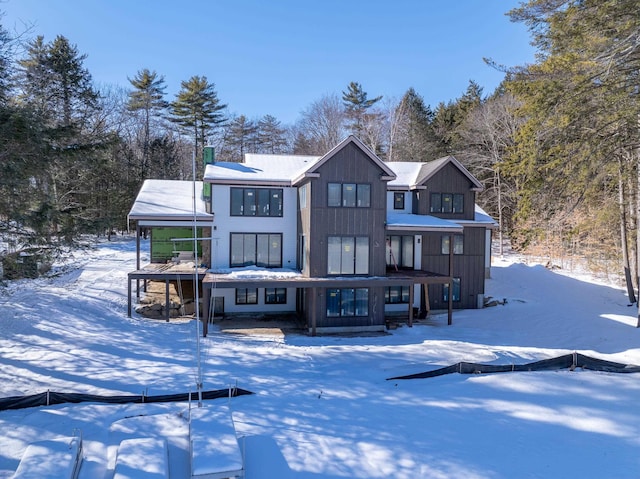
(343, 240)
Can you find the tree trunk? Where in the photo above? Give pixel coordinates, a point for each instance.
(637, 154)
(500, 217)
(623, 232)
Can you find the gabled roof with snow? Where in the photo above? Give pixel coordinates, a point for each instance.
(411, 175)
(389, 174)
(281, 170)
(169, 200)
(260, 169)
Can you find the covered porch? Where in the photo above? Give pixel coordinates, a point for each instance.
(214, 280)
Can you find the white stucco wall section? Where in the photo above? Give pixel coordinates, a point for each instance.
(225, 224)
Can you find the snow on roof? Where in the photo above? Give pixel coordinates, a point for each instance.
(168, 199)
(255, 272)
(481, 216)
(260, 168)
(421, 222)
(406, 173)
(411, 174)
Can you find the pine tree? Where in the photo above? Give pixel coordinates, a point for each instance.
(58, 88)
(414, 140)
(241, 137)
(581, 104)
(198, 110)
(147, 98)
(357, 105)
(271, 136)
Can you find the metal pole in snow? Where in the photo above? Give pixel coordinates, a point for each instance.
(195, 281)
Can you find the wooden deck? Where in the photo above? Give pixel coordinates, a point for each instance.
(163, 272)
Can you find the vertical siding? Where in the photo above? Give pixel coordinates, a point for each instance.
(448, 180)
(469, 267)
(349, 165)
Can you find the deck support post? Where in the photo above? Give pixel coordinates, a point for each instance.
(314, 313)
(128, 296)
(167, 301)
(450, 305)
(411, 305)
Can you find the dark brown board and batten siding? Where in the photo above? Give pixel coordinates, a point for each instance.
(348, 165)
(469, 267)
(448, 179)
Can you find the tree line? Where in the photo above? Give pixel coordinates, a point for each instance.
(556, 144)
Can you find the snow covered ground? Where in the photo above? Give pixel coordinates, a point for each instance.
(323, 407)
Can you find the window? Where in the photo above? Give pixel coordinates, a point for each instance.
(259, 249)
(447, 203)
(302, 194)
(398, 201)
(347, 302)
(396, 295)
(400, 251)
(275, 295)
(348, 255)
(456, 291)
(458, 244)
(349, 195)
(256, 202)
(246, 296)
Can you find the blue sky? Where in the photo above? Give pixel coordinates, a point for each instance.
(276, 57)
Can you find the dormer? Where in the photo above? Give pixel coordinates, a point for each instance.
(446, 189)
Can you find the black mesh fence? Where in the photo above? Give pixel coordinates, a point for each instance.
(568, 361)
(49, 398)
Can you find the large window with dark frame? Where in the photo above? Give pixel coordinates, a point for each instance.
(275, 295)
(447, 203)
(349, 195)
(348, 255)
(347, 302)
(458, 244)
(256, 249)
(400, 251)
(256, 202)
(456, 291)
(396, 295)
(398, 200)
(246, 296)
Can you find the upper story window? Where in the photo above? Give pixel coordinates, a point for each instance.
(259, 249)
(400, 251)
(349, 195)
(447, 203)
(348, 255)
(398, 200)
(302, 195)
(256, 201)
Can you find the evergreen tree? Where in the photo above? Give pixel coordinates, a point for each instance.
(241, 137)
(271, 136)
(198, 110)
(58, 88)
(581, 104)
(415, 139)
(147, 98)
(357, 105)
